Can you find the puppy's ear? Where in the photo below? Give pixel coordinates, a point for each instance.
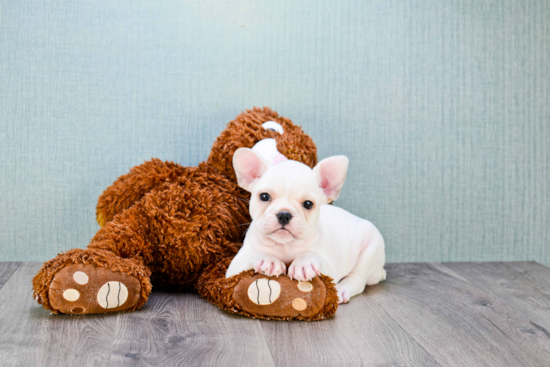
(248, 167)
(331, 174)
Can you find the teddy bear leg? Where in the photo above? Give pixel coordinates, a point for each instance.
(88, 281)
(276, 298)
(131, 187)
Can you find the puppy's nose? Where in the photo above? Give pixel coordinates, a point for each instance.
(284, 217)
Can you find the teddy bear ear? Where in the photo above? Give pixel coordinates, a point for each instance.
(248, 166)
(331, 174)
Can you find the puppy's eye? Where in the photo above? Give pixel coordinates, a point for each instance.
(307, 204)
(264, 196)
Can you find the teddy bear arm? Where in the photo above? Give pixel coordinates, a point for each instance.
(131, 187)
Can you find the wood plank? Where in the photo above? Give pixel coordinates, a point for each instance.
(6, 271)
(30, 335)
(184, 329)
(512, 289)
(423, 315)
(361, 333)
(456, 322)
(532, 272)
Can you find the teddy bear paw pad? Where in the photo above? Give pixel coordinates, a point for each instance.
(280, 297)
(87, 289)
(264, 291)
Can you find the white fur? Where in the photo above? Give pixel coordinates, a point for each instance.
(325, 239)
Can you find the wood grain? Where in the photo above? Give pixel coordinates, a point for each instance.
(30, 335)
(514, 290)
(456, 322)
(361, 333)
(456, 314)
(6, 271)
(532, 273)
(184, 329)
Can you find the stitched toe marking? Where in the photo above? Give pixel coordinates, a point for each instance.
(264, 291)
(299, 304)
(305, 286)
(71, 295)
(112, 295)
(80, 277)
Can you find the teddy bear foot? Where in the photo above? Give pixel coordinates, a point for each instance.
(281, 297)
(270, 298)
(85, 281)
(86, 289)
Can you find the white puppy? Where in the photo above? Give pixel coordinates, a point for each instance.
(292, 224)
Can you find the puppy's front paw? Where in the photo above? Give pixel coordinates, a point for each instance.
(270, 266)
(303, 269)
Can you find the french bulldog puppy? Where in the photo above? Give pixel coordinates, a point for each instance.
(292, 223)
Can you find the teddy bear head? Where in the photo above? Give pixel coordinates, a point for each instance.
(253, 126)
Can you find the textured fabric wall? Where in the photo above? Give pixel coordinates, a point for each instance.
(442, 107)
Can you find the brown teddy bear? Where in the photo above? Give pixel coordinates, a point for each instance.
(178, 226)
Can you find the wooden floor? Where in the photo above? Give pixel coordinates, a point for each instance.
(433, 314)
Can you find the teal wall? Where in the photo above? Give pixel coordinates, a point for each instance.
(441, 106)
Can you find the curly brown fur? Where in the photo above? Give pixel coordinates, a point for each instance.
(186, 222)
(131, 187)
(243, 132)
(331, 301)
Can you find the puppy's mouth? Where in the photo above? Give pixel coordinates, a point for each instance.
(281, 231)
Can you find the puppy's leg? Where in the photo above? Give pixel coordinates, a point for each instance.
(261, 262)
(269, 265)
(309, 264)
(369, 269)
(377, 277)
